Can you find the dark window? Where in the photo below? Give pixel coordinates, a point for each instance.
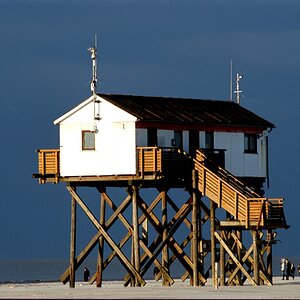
(177, 141)
(152, 137)
(209, 140)
(250, 143)
(193, 141)
(88, 140)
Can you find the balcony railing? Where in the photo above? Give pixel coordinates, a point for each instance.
(152, 163)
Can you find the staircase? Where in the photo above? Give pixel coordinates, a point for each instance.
(246, 206)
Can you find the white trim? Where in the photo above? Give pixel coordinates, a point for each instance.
(73, 111)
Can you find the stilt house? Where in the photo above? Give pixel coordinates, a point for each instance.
(216, 151)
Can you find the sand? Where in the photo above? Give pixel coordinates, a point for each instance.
(282, 289)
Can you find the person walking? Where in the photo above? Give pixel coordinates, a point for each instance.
(282, 268)
(86, 274)
(293, 271)
(288, 268)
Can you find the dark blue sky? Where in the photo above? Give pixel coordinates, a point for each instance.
(161, 48)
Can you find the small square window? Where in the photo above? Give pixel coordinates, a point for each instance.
(250, 143)
(88, 140)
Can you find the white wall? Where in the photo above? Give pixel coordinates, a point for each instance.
(115, 147)
(236, 161)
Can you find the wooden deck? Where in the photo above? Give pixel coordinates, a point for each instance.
(153, 163)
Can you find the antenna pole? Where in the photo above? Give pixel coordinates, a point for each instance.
(238, 92)
(93, 51)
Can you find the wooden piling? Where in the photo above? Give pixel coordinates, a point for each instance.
(165, 250)
(270, 255)
(222, 264)
(136, 249)
(101, 240)
(213, 242)
(195, 230)
(255, 257)
(73, 241)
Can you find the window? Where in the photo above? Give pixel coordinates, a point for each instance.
(152, 137)
(193, 141)
(88, 140)
(209, 140)
(177, 141)
(250, 143)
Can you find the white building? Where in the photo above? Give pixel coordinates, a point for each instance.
(100, 135)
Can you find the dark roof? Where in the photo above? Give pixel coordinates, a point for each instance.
(186, 110)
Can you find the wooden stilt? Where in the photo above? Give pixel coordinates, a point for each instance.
(123, 259)
(213, 242)
(239, 254)
(101, 240)
(255, 257)
(195, 230)
(269, 255)
(222, 264)
(136, 248)
(165, 249)
(73, 241)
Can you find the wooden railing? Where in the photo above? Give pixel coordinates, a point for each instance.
(149, 160)
(229, 193)
(48, 163)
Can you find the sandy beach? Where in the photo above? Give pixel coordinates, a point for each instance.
(282, 289)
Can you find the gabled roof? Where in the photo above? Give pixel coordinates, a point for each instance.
(187, 111)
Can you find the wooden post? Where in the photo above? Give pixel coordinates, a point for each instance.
(136, 249)
(101, 240)
(269, 255)
(222, 264)
(195, 230)
(255, 257)
(239, 255)
(73, 242)
(213, 242)
(165, 250)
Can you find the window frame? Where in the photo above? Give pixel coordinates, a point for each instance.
(83, 143)
(249, 146)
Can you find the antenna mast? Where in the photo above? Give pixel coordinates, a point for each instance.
(238, 92)
(93, 51)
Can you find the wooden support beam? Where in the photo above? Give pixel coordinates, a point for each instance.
(141, 242)
(101, 239)
(93, 242)
(255, 256)
(195, 229)
(213, 242)
(135, 232)
(269, 255)
(123, 259)
(231, 254)
(165, 250)
(222, 264)
(73, 240)
(242, 261)
(175, 222)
